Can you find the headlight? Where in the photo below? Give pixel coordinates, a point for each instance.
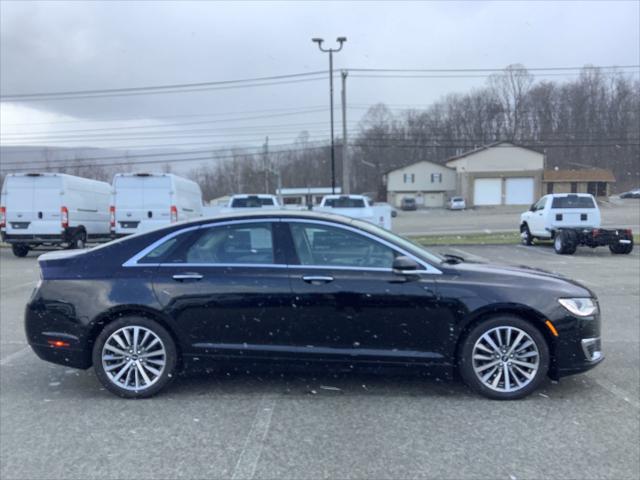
(581, 307)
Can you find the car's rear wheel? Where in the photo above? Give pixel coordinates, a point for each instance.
(20, 249)
(621, 248)
(134, 357)
(79, 240)
(504, 358)
(525, 235)
(565, 243)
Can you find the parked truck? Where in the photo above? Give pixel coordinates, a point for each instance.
(571, 220)
(144, 201)
(357, 206)
(53, 209)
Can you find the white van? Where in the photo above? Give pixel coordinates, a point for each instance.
(53, 209)
(144, 201)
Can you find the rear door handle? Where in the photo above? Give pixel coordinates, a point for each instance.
(317, 279)
(181, 277)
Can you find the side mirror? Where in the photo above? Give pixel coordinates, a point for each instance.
(405, 266)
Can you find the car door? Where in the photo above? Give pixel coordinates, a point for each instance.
(537, 218)
(227, 289)
(349, 303)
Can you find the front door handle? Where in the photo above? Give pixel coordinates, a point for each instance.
(317, 279)
(181, 277)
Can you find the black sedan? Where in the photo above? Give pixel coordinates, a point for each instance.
(295, 287)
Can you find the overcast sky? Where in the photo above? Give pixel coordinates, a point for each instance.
(49, 47)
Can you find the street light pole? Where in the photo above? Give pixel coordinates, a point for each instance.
(330, 51)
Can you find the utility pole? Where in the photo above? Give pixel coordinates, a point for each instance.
(330, 51)
(267, 169)
(346, 162)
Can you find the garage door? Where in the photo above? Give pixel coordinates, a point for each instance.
(519, 191)
(487, 191)
(434, 200)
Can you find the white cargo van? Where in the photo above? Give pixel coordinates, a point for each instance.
(53, 209)
(144, 201)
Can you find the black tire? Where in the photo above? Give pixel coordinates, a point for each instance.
(621, 248)
(79, 240)
(565, 243)
(170, 357)
(20, 249)
(465, 360)
(525, 235)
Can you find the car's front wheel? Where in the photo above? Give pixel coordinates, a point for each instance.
(20, 249)
(504, 358)
(525, 235)
(134, 357)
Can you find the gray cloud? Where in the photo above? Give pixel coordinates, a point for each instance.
(90, 45)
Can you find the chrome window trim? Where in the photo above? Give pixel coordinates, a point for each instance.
(133, 261)
(428, 268)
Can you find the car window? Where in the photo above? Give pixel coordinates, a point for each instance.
(157, 254)
(572, 201)
(336, 247)
(541, 204)
(247, 243)
(344, 202)
(251, 202)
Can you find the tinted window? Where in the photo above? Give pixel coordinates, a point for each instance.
(158, 254)
(329, 246)
(345, 202)
(243, 243)
(251, 202)
(572, 201)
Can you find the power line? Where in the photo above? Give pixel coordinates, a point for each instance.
(193, 90)
(453, 70)
(149, 88)
(373, 145)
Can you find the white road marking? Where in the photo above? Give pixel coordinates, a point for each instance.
(15, 355)
(618, 392)
(247, 462)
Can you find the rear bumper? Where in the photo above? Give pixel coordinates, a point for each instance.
(34, 238)
(71, 357)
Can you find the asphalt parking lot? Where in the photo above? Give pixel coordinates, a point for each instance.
(438, 221)
(57, 422)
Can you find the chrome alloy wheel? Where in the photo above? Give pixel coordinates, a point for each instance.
(505, 359)
(134, 358)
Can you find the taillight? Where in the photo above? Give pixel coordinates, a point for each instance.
(174, 214)
(64, 217)
(112, 217)
(3, 217)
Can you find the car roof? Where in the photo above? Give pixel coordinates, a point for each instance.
(557, 195)
(266, 214)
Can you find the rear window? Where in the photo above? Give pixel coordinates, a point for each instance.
(410, 201)
(456, 199)
(251, 202)
(345, 202)
(572, 201)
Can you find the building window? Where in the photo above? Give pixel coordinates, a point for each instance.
(574, 187)
(409, 177)
(436, 178)
(549, 188)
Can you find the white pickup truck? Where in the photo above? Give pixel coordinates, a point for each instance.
(357, 206)
(570, 220)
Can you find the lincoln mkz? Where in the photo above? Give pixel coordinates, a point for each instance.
(304, 288)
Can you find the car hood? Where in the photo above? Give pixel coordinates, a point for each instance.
(525, 276)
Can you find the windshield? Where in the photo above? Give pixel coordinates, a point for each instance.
(572, 201)
(403, 242)
(344, 202)
(252, 202)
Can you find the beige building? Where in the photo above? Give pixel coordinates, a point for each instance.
(429, 183)
(596, 181)
(501, 173)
